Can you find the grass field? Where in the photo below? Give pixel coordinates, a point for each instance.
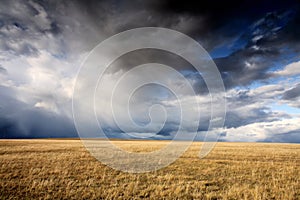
(64, 169)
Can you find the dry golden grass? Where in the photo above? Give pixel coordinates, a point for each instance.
(63, 169)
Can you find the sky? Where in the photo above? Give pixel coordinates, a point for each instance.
(255, 45)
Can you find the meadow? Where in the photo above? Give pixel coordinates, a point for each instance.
(64, 169)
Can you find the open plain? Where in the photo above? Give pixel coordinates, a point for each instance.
(64, 169)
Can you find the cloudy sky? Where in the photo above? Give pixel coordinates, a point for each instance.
(255, 45)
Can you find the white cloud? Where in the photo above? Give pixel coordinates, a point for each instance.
(42, 81)
(289, 70)
(262, 130)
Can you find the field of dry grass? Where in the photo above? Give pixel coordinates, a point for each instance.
(64, 169)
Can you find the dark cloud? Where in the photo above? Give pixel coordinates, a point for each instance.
(139, 57)
(292, 93)
(235, 119)
(254, 35)
(289, 137)
(220, 11)
(3, 70)
(268, 43)
(245, 108)
(20, 120)
(23, 25)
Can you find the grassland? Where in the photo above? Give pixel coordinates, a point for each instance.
(64, 169)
